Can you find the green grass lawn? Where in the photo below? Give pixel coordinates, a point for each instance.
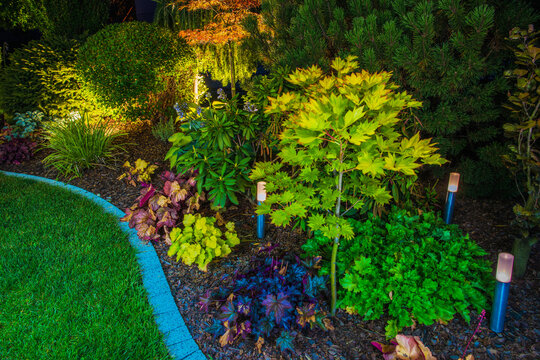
(70, 286)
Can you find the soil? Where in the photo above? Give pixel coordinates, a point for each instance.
(485, 220)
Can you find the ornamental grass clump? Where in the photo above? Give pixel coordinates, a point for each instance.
(342, 136)
(79, 143)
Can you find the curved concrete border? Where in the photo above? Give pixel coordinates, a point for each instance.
(176, 335)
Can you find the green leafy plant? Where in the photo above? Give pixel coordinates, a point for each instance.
(79, 143)
(67, 18)
(25, 124)
(219, 142)
(447, 54)
(414, 268)
(524, 160)
(163, 130)
(342, 139)
(41, 75)
(137, 69)
(141, 172)
(201, 241)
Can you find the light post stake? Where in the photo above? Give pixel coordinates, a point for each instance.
(453, 183)
(261, 196)
(504, 276)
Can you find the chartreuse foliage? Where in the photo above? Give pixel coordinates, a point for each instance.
(274, 297)
(342, 137)
(415, 269)
(201, 241)
(524, 103)
(41, 75)
(141, 172)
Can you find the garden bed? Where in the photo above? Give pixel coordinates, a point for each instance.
(485, 220)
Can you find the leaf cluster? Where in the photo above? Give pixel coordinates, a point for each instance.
(157, 212)
(415, 269)
(141, 172)
(218, 142)
(274, 296)
(24, 125)
(16, 150)
(524, 104)
(342, 140)
(200, 241)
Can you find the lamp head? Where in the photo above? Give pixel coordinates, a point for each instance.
(261, 191)
(504, 267)
(453, 182)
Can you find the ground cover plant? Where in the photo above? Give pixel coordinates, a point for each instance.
(413, 268)
(70, 282)
(273, 297)
(156, 212)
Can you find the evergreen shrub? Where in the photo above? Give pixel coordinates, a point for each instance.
(41, 75)
(137, 69)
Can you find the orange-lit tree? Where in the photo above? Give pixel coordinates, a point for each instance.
(225, 27)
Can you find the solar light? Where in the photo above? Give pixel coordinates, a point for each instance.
(453, 184)
(261, 196)
(503, 276)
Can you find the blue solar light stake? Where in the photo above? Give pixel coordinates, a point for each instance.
(261, 196)
(453, 183)
(504, 276)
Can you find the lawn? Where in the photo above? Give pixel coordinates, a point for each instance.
(70, 285)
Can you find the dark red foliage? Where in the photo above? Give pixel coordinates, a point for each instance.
(16, 151)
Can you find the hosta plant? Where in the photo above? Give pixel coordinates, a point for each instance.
(156, 213)
(16, 150)
(141, 172)
(342, 137)
(414, 269)
(200, 241)
(272, 299)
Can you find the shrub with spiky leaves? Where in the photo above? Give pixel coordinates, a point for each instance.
(272, 299)
(156, 213)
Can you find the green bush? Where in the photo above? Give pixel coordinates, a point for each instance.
(41, 75)
(220, 142)
(79, 143)
(69, 18)
(447, 54)
(136, 68)
(412, 268)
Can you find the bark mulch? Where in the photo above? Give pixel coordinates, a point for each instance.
(485, 220)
